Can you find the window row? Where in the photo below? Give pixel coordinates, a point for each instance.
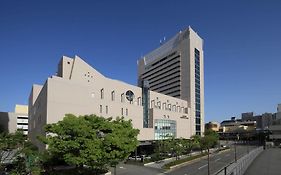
(122, 97)
(166, 106)
(123, 111)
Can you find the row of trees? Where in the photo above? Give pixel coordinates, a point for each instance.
(175, 147)
(87, 141)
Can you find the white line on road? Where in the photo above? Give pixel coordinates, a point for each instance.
(122, 167)
(217, 159)
(202, 166)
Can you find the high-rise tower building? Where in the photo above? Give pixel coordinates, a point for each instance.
(176, 68)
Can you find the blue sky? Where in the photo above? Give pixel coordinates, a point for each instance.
(241, 45)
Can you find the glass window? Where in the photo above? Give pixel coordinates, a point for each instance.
(174, 108)
(152, 103)
(122, 98)
(122, 112)
(164, 106)
(169, 107)
(178, 109)
(106, 109)
(113, 95)
(139, 101)
(164, 129)
(102, 93)
(127, 112)
(198, 121)
(182, 109)
(159, 104)
(100, 108)
(198, 128)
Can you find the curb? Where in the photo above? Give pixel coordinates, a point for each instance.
(156, 161)
(166, 159)
(188, 162)
(192, 161)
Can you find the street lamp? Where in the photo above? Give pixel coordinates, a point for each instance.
(208, 161)
(235, 151)
(248, 142)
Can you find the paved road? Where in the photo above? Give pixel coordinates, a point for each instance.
(160, 164)
(217, 161)
(128, 169)
(268, 162)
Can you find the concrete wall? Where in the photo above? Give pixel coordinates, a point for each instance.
(8, 122)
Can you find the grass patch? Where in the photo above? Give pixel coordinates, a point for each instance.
(177, 162)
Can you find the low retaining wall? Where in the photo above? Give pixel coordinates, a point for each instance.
(239, 167)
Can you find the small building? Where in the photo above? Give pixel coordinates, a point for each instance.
(275, 133)
(12, 121)
(234, 128)
(214, 126)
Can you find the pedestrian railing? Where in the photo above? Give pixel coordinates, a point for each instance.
(240, 166)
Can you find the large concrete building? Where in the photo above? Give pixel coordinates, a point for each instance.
(12, 121)
(79, 89)
(176, 69)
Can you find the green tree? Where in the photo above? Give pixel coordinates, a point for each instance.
(11, 145)
(91, 140)
(16, 150)
(177, 146)
(209, 140)
(195, 141)
(187, 145)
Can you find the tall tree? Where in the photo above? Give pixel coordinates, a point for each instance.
(11, 145)
(91, 140)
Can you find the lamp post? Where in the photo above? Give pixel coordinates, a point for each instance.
(248, 142)
(235, 156)
(208, 161)
(235, 151)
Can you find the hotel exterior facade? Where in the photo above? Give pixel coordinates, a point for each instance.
(79, 89)
(176, 68)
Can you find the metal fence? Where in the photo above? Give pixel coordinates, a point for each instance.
(239, 167)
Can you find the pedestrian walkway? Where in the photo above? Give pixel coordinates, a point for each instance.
(267, 163)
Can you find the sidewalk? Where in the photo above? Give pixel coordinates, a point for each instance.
(268, 162)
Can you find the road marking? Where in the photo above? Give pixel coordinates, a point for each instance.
(202, 166)
(122, 167)
(217, 159)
